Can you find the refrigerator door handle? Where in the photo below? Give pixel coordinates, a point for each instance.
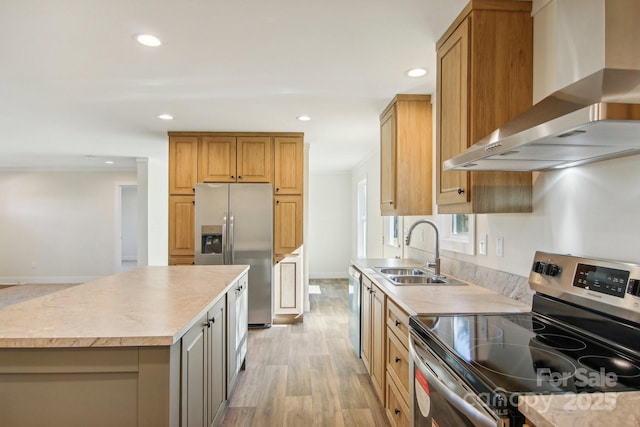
(225, 239)
(231, 248)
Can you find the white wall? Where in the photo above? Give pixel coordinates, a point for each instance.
(58, 226)
(590, 210)
(328, 243)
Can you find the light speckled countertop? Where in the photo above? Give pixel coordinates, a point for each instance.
(147, 306)
(438, 299)
(582, 410)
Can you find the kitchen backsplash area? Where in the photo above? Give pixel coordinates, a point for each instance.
(511, 285)
(508, 284)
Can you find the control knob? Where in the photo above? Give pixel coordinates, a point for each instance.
(552, 270)
(538, 267)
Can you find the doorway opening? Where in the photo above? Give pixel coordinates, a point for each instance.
(126, 257)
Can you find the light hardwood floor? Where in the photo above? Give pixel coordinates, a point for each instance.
(306, 374)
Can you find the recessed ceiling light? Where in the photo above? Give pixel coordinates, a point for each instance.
(417, 72)
(109, 162)
(165, 117)
(148, 40)
(303, 118)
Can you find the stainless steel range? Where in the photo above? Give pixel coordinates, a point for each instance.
(582, 336)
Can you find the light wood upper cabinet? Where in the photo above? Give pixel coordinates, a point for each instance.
(288, 165)
(406, 156)
(254, 159)
(217, 159)
(287, 227)
(183, 164)
(484, 79)
(235, 159)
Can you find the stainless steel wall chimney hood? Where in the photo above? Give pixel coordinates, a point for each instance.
(596, 118)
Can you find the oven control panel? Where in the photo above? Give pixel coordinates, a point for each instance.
(609, 281)
(605, 285)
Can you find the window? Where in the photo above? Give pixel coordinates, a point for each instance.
(392, 233)
(361, 209)
(457, 233)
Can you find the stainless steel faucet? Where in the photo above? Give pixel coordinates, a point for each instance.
(407, 240)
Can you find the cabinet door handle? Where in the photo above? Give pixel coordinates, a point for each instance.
(397, 411)
(212, 320)
(397, 359)
(277, 202)
(397, 322)
(239, 177)
(460, 191)
(277, 189)
(233, 177)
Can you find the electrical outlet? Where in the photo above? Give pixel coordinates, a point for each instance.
(34, 265)
(499, 246)
(482, 244)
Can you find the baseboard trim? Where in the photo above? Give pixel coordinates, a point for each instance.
(288, 319)
(330, 275)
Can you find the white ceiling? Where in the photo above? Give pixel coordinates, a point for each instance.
(73, 81)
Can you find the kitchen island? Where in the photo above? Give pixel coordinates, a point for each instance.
(121, 350)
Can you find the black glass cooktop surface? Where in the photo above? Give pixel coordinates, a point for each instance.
(526, 353)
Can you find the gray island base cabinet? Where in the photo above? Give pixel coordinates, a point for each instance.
(177, 385)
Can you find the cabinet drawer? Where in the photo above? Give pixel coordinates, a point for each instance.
(398, 364)
(396, 408)
(398, 322)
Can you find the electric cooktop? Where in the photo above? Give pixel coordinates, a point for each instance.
(526, 353)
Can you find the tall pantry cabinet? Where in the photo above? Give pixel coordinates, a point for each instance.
(242, 157)
(484, 79)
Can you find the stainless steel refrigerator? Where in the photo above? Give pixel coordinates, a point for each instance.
(234, 225)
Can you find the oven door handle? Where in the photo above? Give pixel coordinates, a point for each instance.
(479, 417)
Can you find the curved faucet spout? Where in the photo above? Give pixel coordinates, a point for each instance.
(407, 240)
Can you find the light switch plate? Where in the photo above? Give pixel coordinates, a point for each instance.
(499, 246)
(482, 244)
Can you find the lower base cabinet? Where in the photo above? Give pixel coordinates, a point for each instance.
(373, 318)
(287, 278)
(203, 385)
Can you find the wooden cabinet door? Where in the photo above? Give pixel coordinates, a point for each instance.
(194, 375)
(452, 122)
(288, 285)
(365, 322)
(288, 165)
(254, 159)
(378, 338)
(287, 228)
(181, 225)
(217, 159)
(216, 369)
(388, 163)
(183, 164)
